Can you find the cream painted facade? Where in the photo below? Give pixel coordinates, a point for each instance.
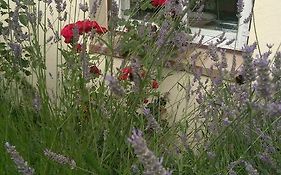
(267, 29)
(267, 16)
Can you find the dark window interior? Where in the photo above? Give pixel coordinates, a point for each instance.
(217, 14)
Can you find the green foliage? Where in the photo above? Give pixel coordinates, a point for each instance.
(82, 118)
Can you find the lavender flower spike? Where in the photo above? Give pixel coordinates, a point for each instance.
(248, 69)
(21, 164)
(240, 7)
(152, 165)
(114, 86)
(60, 158)
(84, 7)
(152, 123)
(263, 76)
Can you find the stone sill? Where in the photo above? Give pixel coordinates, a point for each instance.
(183, 66)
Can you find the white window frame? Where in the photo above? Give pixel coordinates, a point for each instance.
(241, 36)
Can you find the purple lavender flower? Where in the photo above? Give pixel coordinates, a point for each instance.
(63, 17)
(180, 40)
(21, 164)
(114, 86)
(152, 123)
(135, 169)
(240, 7)
(223, 64)
(114, 9)
(36, 103)
(163, 31)
(152, 165)
(233, 66)
(60, 5)
(84, 7)
(17, 50)
(60, 158)
(267, 159)
(273, 108)
(174, 7)
(212, 51)
(263, 85)
(135, 65)
(250, 169)
(14, 25)
(31, 17)
(94, 7)
(248, 69)
(276, 72)
(226, 121)
(85, 62)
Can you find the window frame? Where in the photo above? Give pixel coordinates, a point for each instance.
(241, 35)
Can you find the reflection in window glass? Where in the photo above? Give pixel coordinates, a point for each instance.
(217, 15)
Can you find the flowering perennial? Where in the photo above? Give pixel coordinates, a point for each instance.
(21, 164)
(157, 3)
(83, 26)
(60, 158)
(152, 165)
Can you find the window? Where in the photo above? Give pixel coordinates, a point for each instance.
(217, 16)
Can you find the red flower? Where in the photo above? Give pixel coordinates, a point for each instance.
(155, 84)
(67, 33)
(99, 29)
(157, 3)
(95, 70)
(125, 73)
(83, 27)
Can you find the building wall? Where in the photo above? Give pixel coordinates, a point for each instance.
(267, 16)
(268, 27)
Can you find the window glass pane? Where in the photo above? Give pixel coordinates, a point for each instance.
(217, 15)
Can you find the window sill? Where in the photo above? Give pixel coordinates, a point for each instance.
(201, 65)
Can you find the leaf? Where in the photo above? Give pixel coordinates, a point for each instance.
(3, 4)
(23, 19)
(24, 63)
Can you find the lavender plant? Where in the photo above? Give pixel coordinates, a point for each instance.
(87, 105)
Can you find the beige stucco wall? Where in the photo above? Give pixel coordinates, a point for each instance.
(268, 26)
(268, 23)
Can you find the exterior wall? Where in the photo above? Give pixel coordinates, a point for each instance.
(267, 16)
(268, 26)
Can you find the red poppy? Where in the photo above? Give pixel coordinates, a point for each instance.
(125, 73)
(99, 29)
(83, 27)
(155, 84)
(157, 3)
(95, 70)
(67, 33)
